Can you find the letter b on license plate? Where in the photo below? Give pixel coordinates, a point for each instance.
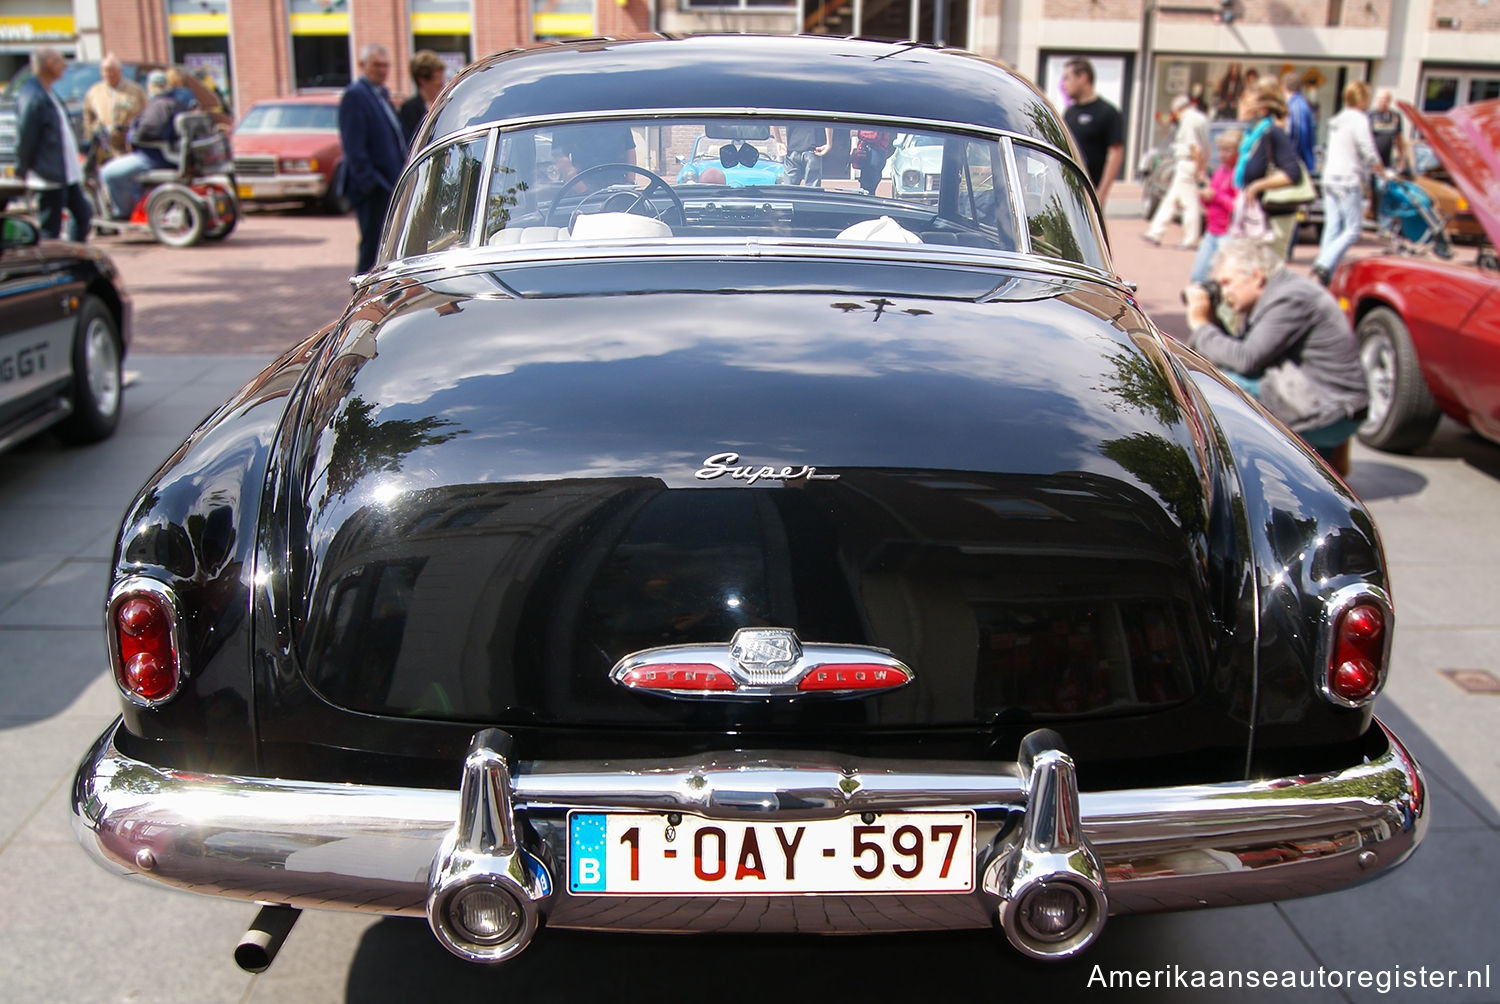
(643, 854)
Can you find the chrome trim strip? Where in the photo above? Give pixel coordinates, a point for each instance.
(1017, 203)
(486, 170)
(59, 409)
(369, 848)
(722, 112)
(492, 257)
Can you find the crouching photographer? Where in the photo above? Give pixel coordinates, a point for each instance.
(1296, 351)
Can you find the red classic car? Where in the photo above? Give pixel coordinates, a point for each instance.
(287, 149)
(1429, 330)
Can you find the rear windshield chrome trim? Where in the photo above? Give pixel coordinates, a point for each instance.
(779, 114)
(492, 257)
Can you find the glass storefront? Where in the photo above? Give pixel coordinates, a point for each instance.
(1444, 88)
(1216, 85)
(446, 28)
(320, 43)
(551, 19)
(199, 33)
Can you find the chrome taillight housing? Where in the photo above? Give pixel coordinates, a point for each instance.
(1355, 648)
(143, 627)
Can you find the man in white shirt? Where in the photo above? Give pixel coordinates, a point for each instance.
(1349, 158)
(47, 151)
(1190, 154)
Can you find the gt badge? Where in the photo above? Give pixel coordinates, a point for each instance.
(760, 663)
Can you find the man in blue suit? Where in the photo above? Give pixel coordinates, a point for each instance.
(374, 148)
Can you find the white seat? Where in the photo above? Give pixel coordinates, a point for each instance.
(883, 230)
(600, 226)
(529, 235)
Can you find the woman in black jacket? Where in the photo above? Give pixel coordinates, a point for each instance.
(1268, 159)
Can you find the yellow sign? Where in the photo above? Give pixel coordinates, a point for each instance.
(440, 23)
(198, 24)
(36, 29)
(320, 24)
(560, 23)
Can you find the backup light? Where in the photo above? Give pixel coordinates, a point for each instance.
(484, 914)
(143, 641)
(1053, 911)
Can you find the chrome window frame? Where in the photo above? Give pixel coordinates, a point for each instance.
(491, 130)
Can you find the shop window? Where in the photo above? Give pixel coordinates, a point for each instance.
(1484, 89)
(554, 19)
(321, 60)
(199, 31)
(456, 50)
(320, 43)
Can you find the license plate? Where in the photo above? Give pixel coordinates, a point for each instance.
(644, 854)
(246, 192)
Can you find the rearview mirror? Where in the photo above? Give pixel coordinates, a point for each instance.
(737, 130)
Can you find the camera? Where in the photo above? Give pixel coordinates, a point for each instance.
(1215, 295)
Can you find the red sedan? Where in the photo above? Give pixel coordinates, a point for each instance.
(1429, 330)
(287, 150)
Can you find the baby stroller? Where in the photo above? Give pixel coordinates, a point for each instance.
(1409, 221)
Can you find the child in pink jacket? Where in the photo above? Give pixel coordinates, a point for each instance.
(1218, 204)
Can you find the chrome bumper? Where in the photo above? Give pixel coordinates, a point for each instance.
(391, 850)
(269, 188)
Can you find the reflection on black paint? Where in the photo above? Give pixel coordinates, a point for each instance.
(1012, 597)
(362, 446)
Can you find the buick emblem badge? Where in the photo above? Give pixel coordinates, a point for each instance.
(760, 650)
(759, 663)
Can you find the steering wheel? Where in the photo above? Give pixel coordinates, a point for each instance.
(628, 201)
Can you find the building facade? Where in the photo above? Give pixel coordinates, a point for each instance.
(1434, 53)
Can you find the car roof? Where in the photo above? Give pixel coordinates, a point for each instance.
(785, 73)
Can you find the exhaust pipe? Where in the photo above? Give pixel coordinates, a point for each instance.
(1053, 887)
(484, 888)
(257, 949)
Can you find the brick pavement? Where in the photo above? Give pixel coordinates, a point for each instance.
(276, 279)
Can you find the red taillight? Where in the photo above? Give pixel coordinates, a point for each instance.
(679, 677)
(853, 676)
(146, 665)
(1359, 649)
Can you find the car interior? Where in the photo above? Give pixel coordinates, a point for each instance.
(622, 180)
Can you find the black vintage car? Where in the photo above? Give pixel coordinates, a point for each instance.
(64, 328)
(657, 557)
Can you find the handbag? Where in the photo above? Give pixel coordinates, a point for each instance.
(1287, 393)
(1289, 197)
(1248, 220)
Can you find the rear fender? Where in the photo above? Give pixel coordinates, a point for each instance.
(192, 528)
(1308, 538)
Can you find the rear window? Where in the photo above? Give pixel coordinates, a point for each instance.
(737, 179)
(291, 118)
